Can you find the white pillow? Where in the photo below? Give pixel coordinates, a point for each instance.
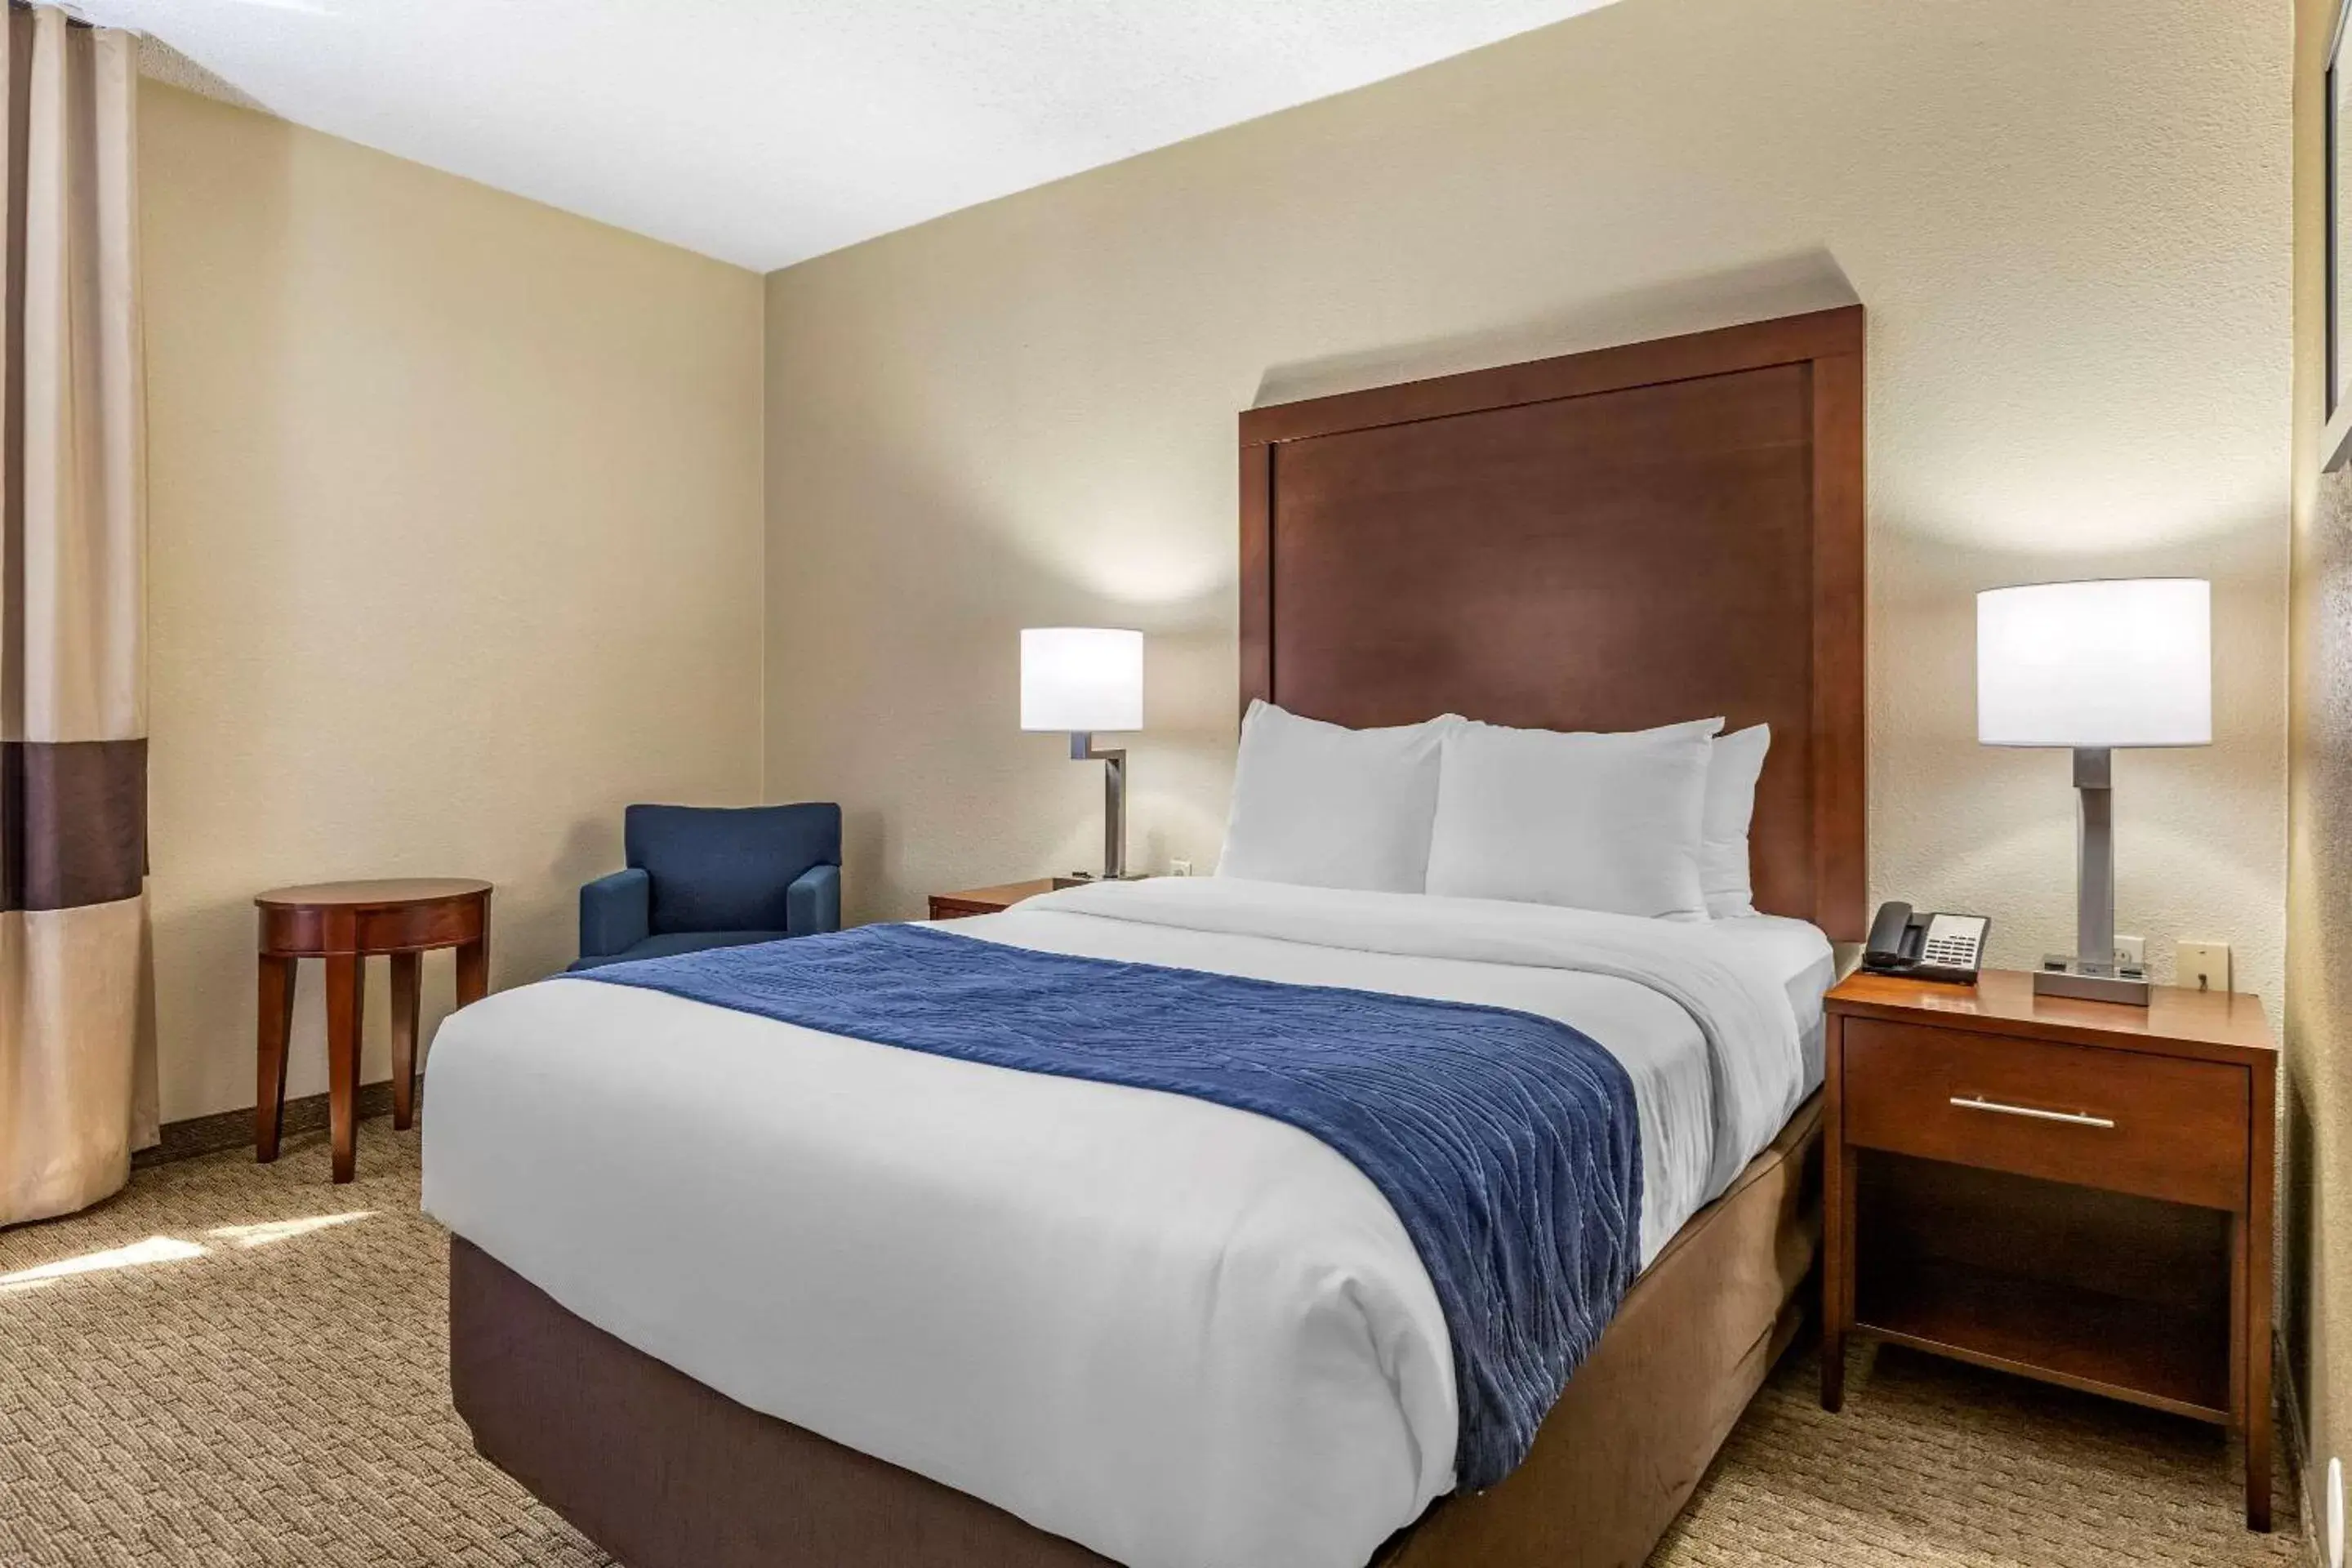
(1588, 821)
(1327, 806)
(1730, 807)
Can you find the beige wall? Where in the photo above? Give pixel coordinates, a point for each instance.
(2318, 1319)
(2068, 223)
(456, 549)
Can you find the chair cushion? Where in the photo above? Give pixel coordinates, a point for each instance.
(716, 868)
(680, 941)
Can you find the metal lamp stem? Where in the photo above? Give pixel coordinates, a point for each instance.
(1082, 749)
(2094, 857)
(2091, 972)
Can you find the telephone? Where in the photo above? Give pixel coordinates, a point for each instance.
(1948, 948)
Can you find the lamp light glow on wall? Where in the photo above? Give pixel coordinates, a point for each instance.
(2095, 667)
(1083, 679)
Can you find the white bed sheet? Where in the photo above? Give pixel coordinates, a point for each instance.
(1178, 1333)
(1803, 957)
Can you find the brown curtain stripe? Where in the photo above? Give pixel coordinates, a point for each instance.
(73, 823)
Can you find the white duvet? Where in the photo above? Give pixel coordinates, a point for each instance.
(1180, 1334)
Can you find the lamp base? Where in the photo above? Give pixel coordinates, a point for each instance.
(2062, 974)
(1081, 879)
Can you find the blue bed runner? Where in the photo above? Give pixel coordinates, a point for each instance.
(1507, 1143)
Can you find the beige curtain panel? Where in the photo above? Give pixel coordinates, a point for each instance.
(77, 1057)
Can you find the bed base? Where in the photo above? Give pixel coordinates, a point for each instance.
(664, 1472)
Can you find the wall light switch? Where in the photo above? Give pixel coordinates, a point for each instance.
(2201, 965)
(2132, 951)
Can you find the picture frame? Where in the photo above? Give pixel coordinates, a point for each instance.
(2336, 443)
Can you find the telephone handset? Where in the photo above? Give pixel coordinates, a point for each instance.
(1948, 948)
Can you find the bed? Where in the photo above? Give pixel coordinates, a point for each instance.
(728, 1290)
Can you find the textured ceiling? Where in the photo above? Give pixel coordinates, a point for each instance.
(765, 132)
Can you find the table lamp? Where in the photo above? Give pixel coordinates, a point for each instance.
(2095, 667)
(1082, 679)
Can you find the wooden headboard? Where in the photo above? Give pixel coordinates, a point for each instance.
(1608, 541)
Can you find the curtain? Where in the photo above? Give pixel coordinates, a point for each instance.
(76, 1055)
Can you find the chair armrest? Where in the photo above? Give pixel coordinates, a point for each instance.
(615, 912)
(812, 903)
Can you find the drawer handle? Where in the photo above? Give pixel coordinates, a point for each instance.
(2071, 1118)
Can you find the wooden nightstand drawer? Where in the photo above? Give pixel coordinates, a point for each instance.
(945, 908)
(2129, 1121)
(986, 901)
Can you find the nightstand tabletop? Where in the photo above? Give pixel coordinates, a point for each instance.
(2178, 1021)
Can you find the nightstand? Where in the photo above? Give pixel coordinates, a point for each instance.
(987, 900)
(2076, 1191)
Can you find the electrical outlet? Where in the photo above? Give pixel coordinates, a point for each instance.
(2131, 952)
(2201, 965)
(1179, 867)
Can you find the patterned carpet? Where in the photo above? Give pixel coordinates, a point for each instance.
(233, 1365)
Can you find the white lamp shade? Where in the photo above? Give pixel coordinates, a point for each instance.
(2126, 662)
(1081, 678)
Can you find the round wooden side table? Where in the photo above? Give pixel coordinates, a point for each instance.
(346, 923)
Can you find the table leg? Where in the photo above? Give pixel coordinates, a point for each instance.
(1837, 1268)
(1839, 1169)
(275, 1024)
(407, 983)
(474, 970)
(2255, 1347)
(2254, 1229)
(346, 1005)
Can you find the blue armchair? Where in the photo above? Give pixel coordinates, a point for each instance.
(705, 877)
